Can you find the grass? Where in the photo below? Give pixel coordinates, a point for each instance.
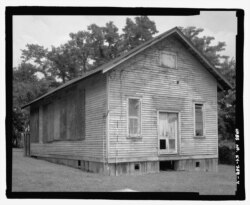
(37, 175)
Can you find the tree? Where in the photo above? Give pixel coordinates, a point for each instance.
(203, 44)
(80, 49)
(37, 56)
(135, 33)
(105, 42)
(227, 102)
(26, 87)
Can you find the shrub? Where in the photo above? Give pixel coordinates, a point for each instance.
(226, 155)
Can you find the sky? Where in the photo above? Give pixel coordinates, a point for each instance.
(54, 30)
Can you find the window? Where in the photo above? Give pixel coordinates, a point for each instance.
(168, 60)
(199, 121)
(134, 117)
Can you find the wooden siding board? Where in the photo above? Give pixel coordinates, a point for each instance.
(161, 89)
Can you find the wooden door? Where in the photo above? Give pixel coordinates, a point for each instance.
(167, 132)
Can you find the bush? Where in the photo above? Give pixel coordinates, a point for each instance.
(226, 155)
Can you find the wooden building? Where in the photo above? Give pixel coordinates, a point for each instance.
(152, 107)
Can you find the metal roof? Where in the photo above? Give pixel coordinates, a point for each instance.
(115, 62)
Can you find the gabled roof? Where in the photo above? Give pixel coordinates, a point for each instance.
(222, 81)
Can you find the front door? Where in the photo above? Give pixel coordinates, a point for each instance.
(167, 132)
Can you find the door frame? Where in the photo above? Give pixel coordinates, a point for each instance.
(178, 132)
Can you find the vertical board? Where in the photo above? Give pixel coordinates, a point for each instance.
(80, 114)
(34, 125)
(70, 116)
(45, 123)
(63, 119)
(57, 120)
(50, 122)
(40, 124)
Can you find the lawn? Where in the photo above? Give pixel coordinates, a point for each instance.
(37, 175)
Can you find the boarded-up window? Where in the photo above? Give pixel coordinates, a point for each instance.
(64, 118)
(134, 117)
(199, 120)
(168, 60)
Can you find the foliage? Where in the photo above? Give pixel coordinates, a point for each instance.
(203, 44)
(226, 155)
(26, 87)
(135, 33)
(227, 102)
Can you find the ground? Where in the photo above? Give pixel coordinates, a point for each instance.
(31, 174)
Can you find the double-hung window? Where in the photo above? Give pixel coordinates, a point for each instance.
(199, 120)
(134, 117)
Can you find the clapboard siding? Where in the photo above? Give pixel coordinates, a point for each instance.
(63, 118)
(161, 89)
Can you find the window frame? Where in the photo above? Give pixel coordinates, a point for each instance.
(140, 117)
(168, 53)
(203, 119)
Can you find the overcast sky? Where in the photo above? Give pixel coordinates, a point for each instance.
(54, 30)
